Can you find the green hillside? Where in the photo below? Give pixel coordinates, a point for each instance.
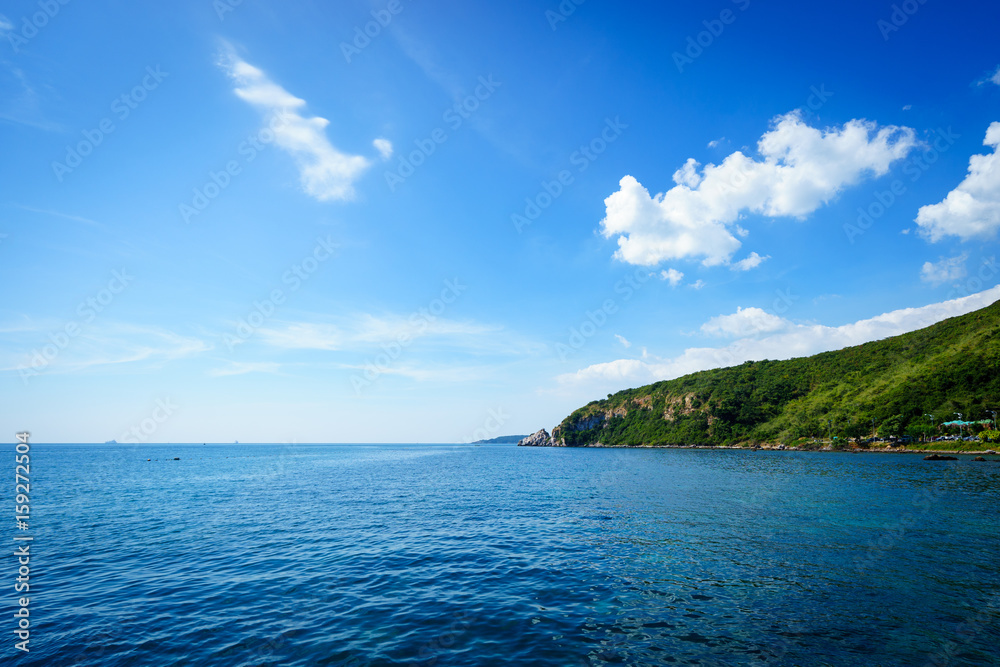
(947, 368)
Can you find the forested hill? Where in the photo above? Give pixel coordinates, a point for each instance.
(950, 367)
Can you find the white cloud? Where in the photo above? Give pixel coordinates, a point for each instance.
(798, 341)
(99, 344)
(716, 142)
(944, 270)
(752, 261)
(364, 332)
(802, 169)
(5, 24)
(744, 322)
(242, 368)
(973, 208)
(672, 276)
(384, 147)
(325, 172)
(698, 284)
(990, 78)
(624, 341)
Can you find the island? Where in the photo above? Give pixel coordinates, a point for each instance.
(937, 388)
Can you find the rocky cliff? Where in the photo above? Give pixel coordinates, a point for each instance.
(541, 439)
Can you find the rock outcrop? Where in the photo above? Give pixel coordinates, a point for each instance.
(539, 439)
(938, 457)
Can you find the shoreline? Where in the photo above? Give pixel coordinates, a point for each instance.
(822, 450)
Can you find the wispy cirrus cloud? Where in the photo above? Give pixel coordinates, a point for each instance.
(29, 346)
(325, 172)
(365, 331)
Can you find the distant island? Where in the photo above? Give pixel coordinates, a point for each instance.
(502, 440)
(943, 380)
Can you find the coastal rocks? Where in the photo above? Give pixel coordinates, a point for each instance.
(540, 439)
(938, 457)
(979, 458)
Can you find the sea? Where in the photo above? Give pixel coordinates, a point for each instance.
(365, 555)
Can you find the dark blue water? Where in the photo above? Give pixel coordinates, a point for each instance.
(497, 555)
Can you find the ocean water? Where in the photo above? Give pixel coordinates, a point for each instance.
(497, 555)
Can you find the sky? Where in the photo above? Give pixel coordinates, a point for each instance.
(395, 221)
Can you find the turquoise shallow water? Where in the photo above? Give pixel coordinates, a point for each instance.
(463, 555)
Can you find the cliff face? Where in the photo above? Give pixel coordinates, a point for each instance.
(541, 439)
(891, 386)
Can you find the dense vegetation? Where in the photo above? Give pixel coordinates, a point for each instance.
(889, 386)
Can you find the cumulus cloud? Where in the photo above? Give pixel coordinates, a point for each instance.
(973, 208)
(325, 172)
(752, 261)
(801, 168)
(798, 341)
(744, 322)
(944, 270)
(672, 276)
(698, 284)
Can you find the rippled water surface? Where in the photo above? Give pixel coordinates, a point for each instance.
(488, 555)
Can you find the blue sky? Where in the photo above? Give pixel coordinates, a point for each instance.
(254, 221)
